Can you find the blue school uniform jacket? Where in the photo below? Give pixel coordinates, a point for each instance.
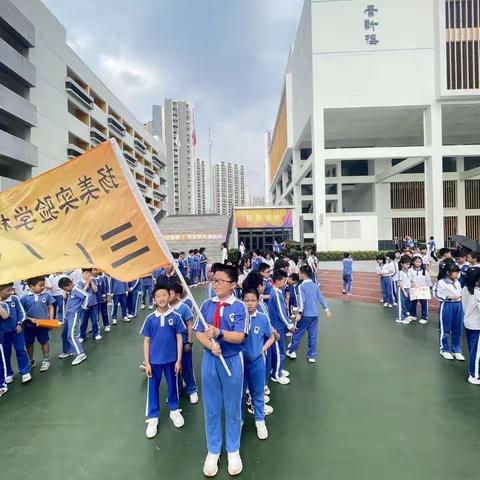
(310, 296)
(259, 332)
(16, 314)
(77, 300)
(117, 287)
(36, 306)
(277, 311)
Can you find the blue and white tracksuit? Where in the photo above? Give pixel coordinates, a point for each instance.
(146, 284)
(471, 321)
(451, 315)
(203, 267)
(277, 311)
(192, 268)
(260, 332)
(403, 295)
(75, 305)
(221, 392)
(119, 291)
(162, 329)
(10, 338)
(386, 272)
(463, 273)
(57, 294)
(103, 289)
(418, 279)
(310, 296)
(263, 308)
(347, 274)
(312, 262)
(91, 312)
(135, 292)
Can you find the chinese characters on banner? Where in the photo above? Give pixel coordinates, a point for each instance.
(370, 24)
(263, 218)
(86, 212)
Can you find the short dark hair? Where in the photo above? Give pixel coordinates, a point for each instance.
(280, 263)
(471, 279)
(201, 250)
(190, 251)
(195, 251)
(252, 291)
(6, 285)
(87, 270)
(443, 251)
(215, 266)
(64, 282)
(306, 270)
(252, 280)
(182, 253)
(31, 282)
(263, 266)
(295, 277)
(161, 286)
(278, 275)
(406, 259)
(177, 288)
(346, 254)
(229, 270)
(175, 255)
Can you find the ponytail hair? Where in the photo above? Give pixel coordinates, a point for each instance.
(446, 268)
(472, 278)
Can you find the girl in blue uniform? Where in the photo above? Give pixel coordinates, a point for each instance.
(224, 334)
(260, 338)
(103, 287)
(119, 291)
(448, 292)
(89, 286)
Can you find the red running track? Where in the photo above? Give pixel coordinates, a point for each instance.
(366, 287)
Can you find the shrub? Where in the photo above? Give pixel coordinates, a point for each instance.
(356, 255)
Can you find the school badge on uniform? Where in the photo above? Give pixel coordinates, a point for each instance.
(170, 322)
(256, 329)
(232, 317)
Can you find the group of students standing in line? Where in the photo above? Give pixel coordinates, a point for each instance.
(251, 309)
(457, 289)
(79, 300)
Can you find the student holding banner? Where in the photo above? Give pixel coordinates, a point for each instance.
(420, 289)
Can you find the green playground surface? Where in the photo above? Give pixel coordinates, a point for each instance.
(380, 403)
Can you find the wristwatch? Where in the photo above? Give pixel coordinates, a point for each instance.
(220, 335)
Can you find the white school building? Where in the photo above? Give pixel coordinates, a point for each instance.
(377, 133)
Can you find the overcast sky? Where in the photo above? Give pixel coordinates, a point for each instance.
(226, 56)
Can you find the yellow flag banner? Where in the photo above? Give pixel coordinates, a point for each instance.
(88, 212)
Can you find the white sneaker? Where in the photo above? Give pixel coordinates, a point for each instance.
(312, 360)
(150, 307)
(177, 418)
(285, 373)
(398, 320)
(458, 356)
(114, 321)
(152, 427)
(390, 305)
(447, 355)
(26, 378)
(79, 359)
(267, 409)
(98, 337)
(412, 318)
(267, 390)
(81, 340)
(235, 465)
(423, 321)
(385, 304)
(3, 391)
(405, 321)
(395, 304)
(107, 328)
(288, 334)
(262, 432)
(473, 380)
(9, 379)
(45, 365)
(292, 355)
(194, 398)
(64, 355)
(130, 315)
(210, 467)
(281, 380)
(126, 319)
(266, 398)
(142, 307)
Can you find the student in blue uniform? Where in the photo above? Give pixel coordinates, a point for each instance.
(266, 271)
(3, 366)
(310, 296)
(51, 284)
(76, 303)
(448, 292)
(260, 338)
(277, 311)
(119, 292)
(464, 267)
(103, 288)
(385, 271)
(203, 265)
(192, 263)
(162, 349)
(146, 284)
(89, 286)
(227, 321)
(188, 376)
(38, 304)
(291, 292)
(134, 294)
(347, 273)
(183, 265)
(419, 277)
(258, 260)
(11, 329)
(471, 322)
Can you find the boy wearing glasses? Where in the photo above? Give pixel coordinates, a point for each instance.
(265, 271)
(227, 321)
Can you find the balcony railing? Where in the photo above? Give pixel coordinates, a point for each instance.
(74, 150)
(114, 124)
(96, 136)
(140, 146)
(142, 186)
(157, 162)
(149, 173)
(79, 93)
(131, 160)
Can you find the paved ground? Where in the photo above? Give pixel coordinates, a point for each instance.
(379, 404)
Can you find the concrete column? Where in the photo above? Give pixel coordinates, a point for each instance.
(318, 176)
(434, 175)
(297, 195)
(462, 223)
(382, 202)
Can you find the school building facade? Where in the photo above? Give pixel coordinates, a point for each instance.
(53, 107)
(377, 133)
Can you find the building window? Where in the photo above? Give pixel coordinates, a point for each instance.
(343, 230)
(330, 170)
(415, 227)
(331, 188)
(354, 168)
(305, 153)
(308, 226)
(307, 206)
(449, 164)
(331, 206)
(307, 189)
(407, 195)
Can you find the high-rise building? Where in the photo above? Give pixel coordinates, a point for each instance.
(179, 130)
(53, 107)
(200, 186)
(157, 121)
(377, 133)
(228, 187)
(256, 201)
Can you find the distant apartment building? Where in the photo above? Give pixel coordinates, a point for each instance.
(228, 187)
(200, 186)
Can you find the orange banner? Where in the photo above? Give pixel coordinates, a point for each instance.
(263, 218)
(86, 212)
